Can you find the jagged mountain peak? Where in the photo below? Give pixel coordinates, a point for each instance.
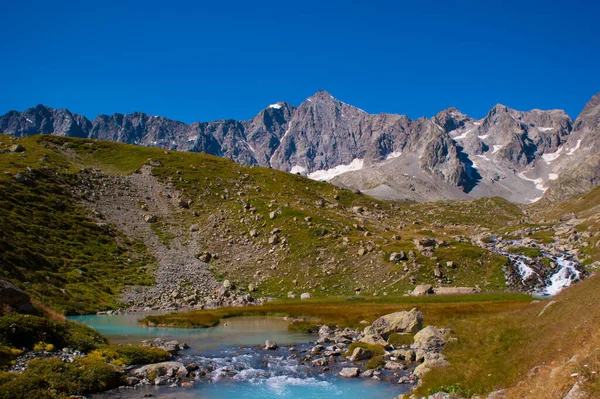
(592, 106)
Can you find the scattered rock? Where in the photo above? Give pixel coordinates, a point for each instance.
(17, 148)
(305, 295)
(349, 372)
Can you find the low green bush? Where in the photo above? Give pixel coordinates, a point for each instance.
(25, 331)
(44, 377)
(129, 354)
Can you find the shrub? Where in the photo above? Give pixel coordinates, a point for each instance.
(25, 331)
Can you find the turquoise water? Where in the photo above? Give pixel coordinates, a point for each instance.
(240, 369)
(236, 331)
(280, 388)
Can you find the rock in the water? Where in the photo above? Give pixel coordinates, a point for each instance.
(399, 322)
(270, 345)
(360, 354)
(168, 369)
(373, 339)
(305, 295)
(423, 289)
(320, 362)
(390, 365)
(349, 372)
(431, 338)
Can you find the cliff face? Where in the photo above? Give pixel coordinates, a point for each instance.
(513, 154)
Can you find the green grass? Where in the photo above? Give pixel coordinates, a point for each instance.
(527, 251)
(344, 312)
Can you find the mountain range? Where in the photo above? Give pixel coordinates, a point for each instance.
(520, 156)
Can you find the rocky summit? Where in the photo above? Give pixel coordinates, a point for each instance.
(520, 156)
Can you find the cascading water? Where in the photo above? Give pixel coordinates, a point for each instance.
(537, 277)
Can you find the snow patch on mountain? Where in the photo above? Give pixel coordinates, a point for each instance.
(572, 151)
(356, 164)
(553, 156)
(539, 182)
(298, 169)
(394, 154)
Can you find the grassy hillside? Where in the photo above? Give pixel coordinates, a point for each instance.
(51, 247)
(329, 241)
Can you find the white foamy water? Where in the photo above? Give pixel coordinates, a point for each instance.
(564, 277)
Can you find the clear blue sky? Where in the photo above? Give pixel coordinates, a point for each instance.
(200, 60)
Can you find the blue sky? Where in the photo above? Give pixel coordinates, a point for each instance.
(200, 60)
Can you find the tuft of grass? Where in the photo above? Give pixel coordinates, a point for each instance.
(527, 251)
(399, 340)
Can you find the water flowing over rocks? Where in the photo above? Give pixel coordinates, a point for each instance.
(556, 267)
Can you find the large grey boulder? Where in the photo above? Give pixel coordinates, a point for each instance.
(427, 365)
(360, 354)
(431, 338)
(423, 289)
(455, 290)
(167, 369)
(399, 322)
(13, 296)
(349, 372)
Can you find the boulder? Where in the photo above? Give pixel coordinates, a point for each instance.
(305, 295)
(349, 372)
(423, 289)
(390, 365)
(407, 355)
(167, 369)
(17, 148)
(431, 338)
(320, 362)
(455, 290)
(373, 339)
(398, 322)
(13, 296)
(270, 345)
(427, 365)
(325, 331)
(397, 256)
(360, 354)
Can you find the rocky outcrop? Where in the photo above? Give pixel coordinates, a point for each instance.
(13, 296)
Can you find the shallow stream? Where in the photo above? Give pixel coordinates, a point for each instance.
(240, 368)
